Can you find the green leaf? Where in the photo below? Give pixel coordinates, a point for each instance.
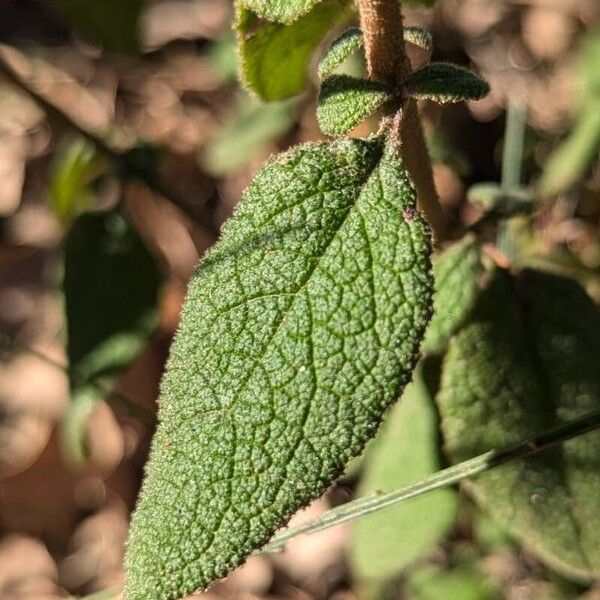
(433, 583)
(301, 326)
(418, 37)
(238, 142)
(111, 287)
(406, 450)
(274, 57)
(281, 11)
(352, 40)
(457, 273)
(427, 3)
(445, 82)
(346, 101)
(112, 23)
(340, 49)
(527, 362)
(73, 170)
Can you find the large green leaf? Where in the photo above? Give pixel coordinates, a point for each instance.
(406, 450)
(111, 286)
(301, 326)
(274, 57)
(527, 361)
(112, 23)
(457, 273)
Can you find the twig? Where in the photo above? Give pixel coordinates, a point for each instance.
(387, 62)
(122, 161)
(446, 477)
(132, 408)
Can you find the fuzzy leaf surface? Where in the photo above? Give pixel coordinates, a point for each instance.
(406, 450)
(301, 326)
(274, 56)
(527, 362)
(346, 101)
(456, 272)
(445, 82)
(280, 11)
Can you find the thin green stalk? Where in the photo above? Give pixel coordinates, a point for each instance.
(446, 477)
(512, 154)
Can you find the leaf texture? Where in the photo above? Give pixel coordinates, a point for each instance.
(445, 82)
(457, 273)
(527, 362)
(346, 101)
(406, 450)
(301, 326)
(274, 56)
(281, 11)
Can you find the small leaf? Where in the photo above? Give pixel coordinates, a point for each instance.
(340, 49)
(457, 273)
(346, 101)
(352, 40)
(301, 326)
(238, 142)
(112, 23)
(281, 11)
(526, 362)
(445, 82)
(274, 57)
(111, 287)
(418, 37)
(73, 170)
(405, 450)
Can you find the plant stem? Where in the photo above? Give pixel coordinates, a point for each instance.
(512, 153)
(446, 477)
(122, 161)
(387, 62)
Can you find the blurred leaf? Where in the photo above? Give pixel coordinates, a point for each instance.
(445, 82)
(494, 198)
(112, 23)
(238, 142)
(406, 450)
(346, 101)
(527, 361)
(280, 11)
(73, 170)
(457, 273)
(574, 156)
(351, 40)
(426, 3)
(274, 57)
(433, 583)
(223, 57)
(111, 287)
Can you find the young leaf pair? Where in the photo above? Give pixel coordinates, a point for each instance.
(345, 101)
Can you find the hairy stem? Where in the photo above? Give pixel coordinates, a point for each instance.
(121, 160)
(387, 62)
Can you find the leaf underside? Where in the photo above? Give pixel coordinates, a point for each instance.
(346, 101)
(301, 326)
(274, 56)
(528, 362)
(405, 450)
(445, 82)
